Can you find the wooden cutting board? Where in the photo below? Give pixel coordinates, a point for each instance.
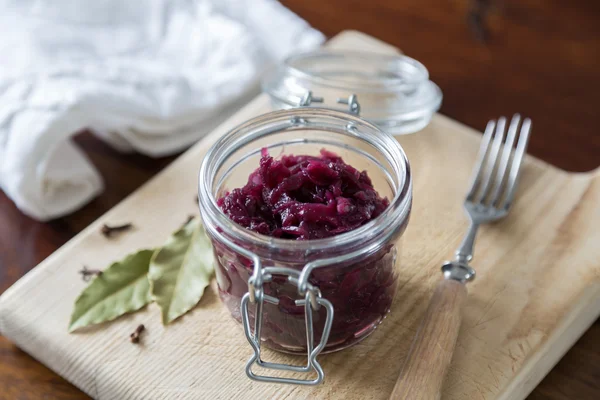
(537, 291)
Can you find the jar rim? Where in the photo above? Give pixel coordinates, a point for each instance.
(379, 227)
(393, 84)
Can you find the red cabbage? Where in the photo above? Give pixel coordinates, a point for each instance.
(302, 198)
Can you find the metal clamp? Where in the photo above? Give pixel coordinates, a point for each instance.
(352, 101)
(353, 105)
(312, 301)
(308, 98)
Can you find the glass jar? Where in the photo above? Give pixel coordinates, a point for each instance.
(395, 91)
(292, 294)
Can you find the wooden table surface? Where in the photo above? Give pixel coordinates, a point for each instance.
(540, 58)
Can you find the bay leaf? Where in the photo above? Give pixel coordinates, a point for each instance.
(122, 288)
(180, 270)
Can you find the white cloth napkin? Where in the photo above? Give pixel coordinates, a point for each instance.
(152, 76)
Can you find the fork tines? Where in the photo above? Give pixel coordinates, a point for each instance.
(497, 170)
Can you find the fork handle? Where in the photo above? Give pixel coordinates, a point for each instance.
(430, 354)
(465, 251)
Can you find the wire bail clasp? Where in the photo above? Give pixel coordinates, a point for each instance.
(307, 99)
(312, 302)
(353, 104)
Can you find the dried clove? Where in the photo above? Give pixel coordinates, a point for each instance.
(109, 231)
(86, 273)
(135, 336)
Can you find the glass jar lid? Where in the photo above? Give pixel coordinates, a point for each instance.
(393, 92)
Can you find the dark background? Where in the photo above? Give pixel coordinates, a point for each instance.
(490, 58)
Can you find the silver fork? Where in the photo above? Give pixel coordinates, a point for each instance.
(492, 192)
(489, 199)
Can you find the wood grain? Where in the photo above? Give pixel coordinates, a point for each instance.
(429, 357)
(540, 60)
(515, 325)
(24, 378)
